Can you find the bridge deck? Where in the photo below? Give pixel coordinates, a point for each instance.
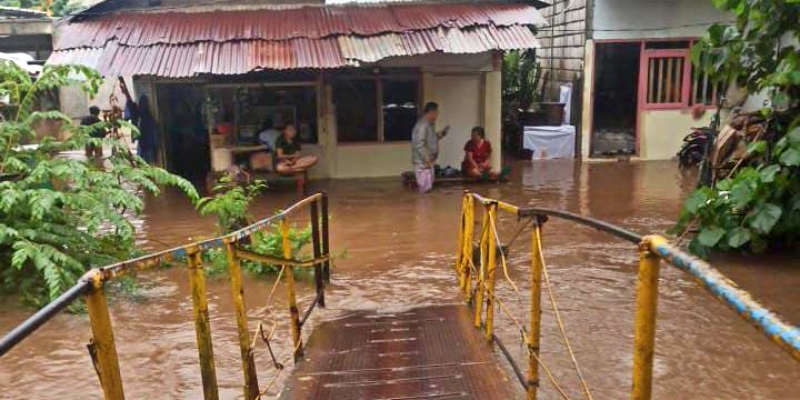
(425, 353)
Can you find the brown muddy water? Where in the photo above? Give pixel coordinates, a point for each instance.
(400, 248)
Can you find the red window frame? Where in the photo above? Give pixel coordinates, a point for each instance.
(645, 75)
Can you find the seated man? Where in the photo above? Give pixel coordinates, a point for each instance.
(477, 151)
(287, 152)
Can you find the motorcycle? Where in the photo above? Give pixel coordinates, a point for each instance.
(698, 146)
(694, 147)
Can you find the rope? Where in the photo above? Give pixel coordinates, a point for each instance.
(481, 285)
(549, 375)
(560, 322)
(502, 255)
(524, 332)
(277, 374)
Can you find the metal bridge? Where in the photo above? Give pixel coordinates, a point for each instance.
(443, 352)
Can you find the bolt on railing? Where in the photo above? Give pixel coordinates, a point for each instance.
(92, 285)
(652, 250)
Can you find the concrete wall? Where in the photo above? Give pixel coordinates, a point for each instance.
(562, 42)
(662, 131)
(460, 108)
(639, 19)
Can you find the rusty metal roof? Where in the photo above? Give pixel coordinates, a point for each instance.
(241, 57)
(172, 44)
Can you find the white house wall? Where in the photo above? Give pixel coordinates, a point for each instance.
(649, 19)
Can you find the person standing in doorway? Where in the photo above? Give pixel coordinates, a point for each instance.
(425, 146)
(94, 152)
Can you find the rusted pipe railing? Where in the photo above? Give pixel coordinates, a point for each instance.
(652, 250)
(92, 284)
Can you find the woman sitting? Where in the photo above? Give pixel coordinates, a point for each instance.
(287, 152)
(476, 160)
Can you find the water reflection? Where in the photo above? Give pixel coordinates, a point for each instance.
(399, 248)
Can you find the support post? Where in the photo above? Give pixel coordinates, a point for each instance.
(468, 243)
(646, 310)
(536, 310)
(491, 269)
(294, 313)
(316, 247)
(460, 248)
(104, 348)
(202, 326)
(250, 388)
(326, 243)
(482, 269)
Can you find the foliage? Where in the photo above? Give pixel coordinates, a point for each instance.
(757, 50)
(760, 205)
(268, 243)
(231, 203)
(60, 215)
(59, 8)
(521, 76)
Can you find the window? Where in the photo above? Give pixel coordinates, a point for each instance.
(400, 98)
(704, 90)
(249, 109)
(668, 79)
(666, 71)
(356, 110)
(380, 108)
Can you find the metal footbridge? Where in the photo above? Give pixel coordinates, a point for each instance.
(441, 352)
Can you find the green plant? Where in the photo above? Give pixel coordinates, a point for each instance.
(59, 8)
(521, 77)
(268, 243)
(231, 203)
(758, 206)
(59, 215)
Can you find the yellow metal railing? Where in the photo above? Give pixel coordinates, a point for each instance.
(478, 285)
(92, 286)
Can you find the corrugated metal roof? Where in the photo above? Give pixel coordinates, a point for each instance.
(446, 40)
(234, 42)
(241, 57)
(146, 29)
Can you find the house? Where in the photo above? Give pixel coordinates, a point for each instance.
(26, 39)
(629, 62)
(28, 32)
(352, 76)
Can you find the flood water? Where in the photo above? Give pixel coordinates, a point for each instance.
(396, 251)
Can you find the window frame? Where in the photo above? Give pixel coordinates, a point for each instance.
(645, 75)
(378, 79)
(688, 82)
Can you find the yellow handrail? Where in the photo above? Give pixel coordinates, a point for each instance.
(92, 285)
(652, 249)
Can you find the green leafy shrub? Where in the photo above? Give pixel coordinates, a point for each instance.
(60, 216)
(759, 206)
(231, 205)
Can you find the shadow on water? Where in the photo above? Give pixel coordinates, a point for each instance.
(400, 249)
